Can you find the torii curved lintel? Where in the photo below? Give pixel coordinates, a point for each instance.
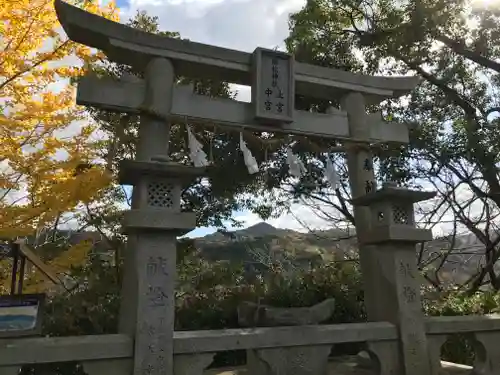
(126, 45)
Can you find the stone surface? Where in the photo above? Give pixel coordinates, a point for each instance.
(392, 289)
(186, 106)
(251, 314)
(129, 46)
(346, 366)
(108, 367)
(297, 360)
(408, 305)
(276, 337)
(336, 366)
(192, 364)
(155, 259)
(386, 356)
(487, 353)
(361, 178)
(435, 343)
(13, 370)
(155, 318)
(363, 360)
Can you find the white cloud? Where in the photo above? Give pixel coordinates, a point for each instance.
(300, 218)
(237, 24)
(244, 93)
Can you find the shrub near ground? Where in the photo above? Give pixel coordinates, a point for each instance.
(209, 305)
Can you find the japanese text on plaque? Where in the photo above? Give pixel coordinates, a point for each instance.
(274, 95)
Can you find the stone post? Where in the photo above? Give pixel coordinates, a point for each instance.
(394, 233)
(362, 180)
(153, 138)
(153, 224)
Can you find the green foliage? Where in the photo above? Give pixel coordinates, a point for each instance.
(455, 136)
(90, 308)
(208, 294)
(212, 304)
(456, 303)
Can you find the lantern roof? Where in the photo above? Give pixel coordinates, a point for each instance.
(391, 192)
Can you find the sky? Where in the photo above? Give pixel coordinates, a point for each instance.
(236, 24)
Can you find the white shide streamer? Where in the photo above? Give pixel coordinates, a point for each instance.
(296, 167)
(331, 174)
(250, 161)
(196, 153)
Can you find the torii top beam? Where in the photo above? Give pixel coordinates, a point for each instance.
(126, 45)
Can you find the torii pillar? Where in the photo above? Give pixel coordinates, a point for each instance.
(362, 181)
(388, 261)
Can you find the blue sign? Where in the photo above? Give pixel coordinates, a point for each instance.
(20, 315)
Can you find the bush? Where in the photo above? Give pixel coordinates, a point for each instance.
(210, 305)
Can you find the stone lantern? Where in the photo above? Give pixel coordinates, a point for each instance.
(392, 214)
(159, 186)
(152, 226)
(394, 260)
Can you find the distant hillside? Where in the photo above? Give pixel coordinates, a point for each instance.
(263, 243)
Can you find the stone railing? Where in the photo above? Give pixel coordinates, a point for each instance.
(483, 332)
(281, 350)
(194, 350)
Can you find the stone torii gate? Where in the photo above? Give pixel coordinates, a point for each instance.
(388, 260)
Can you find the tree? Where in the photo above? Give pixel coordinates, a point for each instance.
(454, 148)
(47, 152)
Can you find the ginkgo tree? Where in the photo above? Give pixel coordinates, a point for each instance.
(48, 146)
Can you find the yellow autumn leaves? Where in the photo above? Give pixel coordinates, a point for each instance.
(43, 135)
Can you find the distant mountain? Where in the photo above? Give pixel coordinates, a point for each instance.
(259, 230)
(463, 262)
(255, 231)
(262, 243)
